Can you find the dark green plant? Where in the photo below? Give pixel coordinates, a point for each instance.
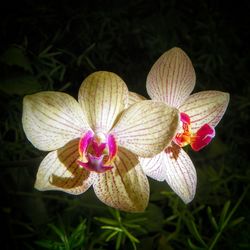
(75, 238)
(119, 229)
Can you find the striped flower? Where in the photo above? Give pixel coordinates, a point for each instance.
(97, 140)
(171, 80)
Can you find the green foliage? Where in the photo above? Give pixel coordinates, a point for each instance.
(219, 227)
(51, 46)
(75, 239)
(118, 228)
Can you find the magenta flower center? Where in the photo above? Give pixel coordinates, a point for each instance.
(197, 140)
(97, 152)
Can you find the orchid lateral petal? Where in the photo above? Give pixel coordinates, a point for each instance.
(185, 119)
(172, 78)
(84, 142)
(112, 147)
(154, 167)
(180, 173)
(205, 107)
(59, 171)
(146, 127)
(124, 187)
(134, 98)
(103, 95)
(51, 119)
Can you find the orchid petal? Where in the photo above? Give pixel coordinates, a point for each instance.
(146, 127)
(134, 98)
(172, 78)
(154, 167)
(59, 171)
(51, 119)
(103, 95)
(203, 137)
(180, 173)
(205, 107)
(124, 187)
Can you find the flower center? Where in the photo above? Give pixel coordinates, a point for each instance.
(197, 140)
(97, 152)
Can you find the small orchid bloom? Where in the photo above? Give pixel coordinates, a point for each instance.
(97, 140)
(171, 80)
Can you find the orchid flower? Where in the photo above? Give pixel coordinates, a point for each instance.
(97, 140)
(171, 80)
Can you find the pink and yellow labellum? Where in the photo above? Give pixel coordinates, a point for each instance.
(171, 80)
(197, 140)
(97, 152)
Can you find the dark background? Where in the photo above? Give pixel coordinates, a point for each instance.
(54, 45)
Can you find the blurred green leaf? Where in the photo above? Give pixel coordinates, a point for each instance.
(217, 148)
(194, 231)
(20, 85)
(58, 231)
(236, 222)
(193, 246)
(120, 228)
(211, 218)
(45, 53)
(155, 218)
(112, 228)
(224, 213)
(112, 235)
(106, 221)
(73, 240)
(15, 56)
(118, 241)
(164, 243)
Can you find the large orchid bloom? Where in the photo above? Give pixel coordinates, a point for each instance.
(171, 80)
(97, 140)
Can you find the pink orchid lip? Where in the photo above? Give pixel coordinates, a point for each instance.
(202, 137)
(95, 164)
(97, 152)
(197, 140)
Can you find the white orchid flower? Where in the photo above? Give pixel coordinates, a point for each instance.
(171, 80)
(97, 140)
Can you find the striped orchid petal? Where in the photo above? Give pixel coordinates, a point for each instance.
(146, 127)
(155, 167)
(124, 187)
(205, 107)
(172, 78)
(180, 173)
(51, 119)
(134, 98)
(59, 171)
(103, 95)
